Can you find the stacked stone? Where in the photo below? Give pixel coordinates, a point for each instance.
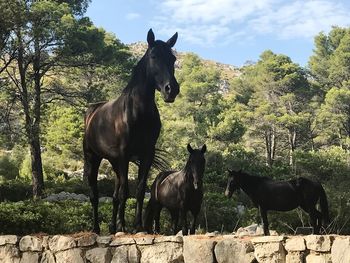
(142, 248)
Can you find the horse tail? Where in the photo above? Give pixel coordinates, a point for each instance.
(159, 161)
(324, 205)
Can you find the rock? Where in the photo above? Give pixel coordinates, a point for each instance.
(103, 240)
(233, 250)
(212, 234)
(319, 258)
(269, 249)
(105, 199)
(295, 257)
(120, 255)
(146, 240)
(162, 252)
(341, 250)
(119, 234)
(134, 254)
(59, 243)
(72, 255)
(86, 240)
(175, 239)
(30, 257)
(30, 243)
(8, 239)
(252, 230)
(9, 254)
(99, 255)
(295, 244)
(122, 241)
(318, 243)
(47, 257)
(194, 244)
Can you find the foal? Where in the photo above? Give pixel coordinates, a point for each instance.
(268, 194)
(178, 191)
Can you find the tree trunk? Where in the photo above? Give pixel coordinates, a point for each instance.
(270, 145)
(32, 118)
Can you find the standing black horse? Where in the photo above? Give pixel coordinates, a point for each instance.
(268, 194)
(178, 191)
(127, 128)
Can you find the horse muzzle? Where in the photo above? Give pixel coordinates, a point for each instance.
(170, 91)
(228, 194)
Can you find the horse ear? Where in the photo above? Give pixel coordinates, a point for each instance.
(204, 148)
(171, 42)
(189, 148)
(150, 38)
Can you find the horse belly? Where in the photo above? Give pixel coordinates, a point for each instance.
(281, 201)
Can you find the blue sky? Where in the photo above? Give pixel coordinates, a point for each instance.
(227, 31)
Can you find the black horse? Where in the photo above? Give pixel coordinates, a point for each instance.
(127, 128)
(178, 191)
(268, 194)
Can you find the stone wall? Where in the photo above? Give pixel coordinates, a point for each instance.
(86, 247)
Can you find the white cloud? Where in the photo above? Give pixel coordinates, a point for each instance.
(132, 16)
(210, 22)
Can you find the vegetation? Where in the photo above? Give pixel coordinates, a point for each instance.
(274, 119)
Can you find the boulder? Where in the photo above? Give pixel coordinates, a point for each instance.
(295, 244)
(198, 249)
(103, 241)
(162, 252)
(295, 257)
(319, 258)
(30, 243)
(59, 243)
(9, 254)
(30, 257)
(231, 250)
(126, 254)
(47, 257)
(341, 250)
(176, 239)
(269, 249)
(86, 240)
(318, 243)
(71, 255)
(8, 239)
(99, 255)
(119, 241)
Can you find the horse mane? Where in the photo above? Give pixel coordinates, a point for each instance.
(255, 178)
(140, 66)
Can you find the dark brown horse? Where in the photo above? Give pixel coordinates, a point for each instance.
(127, 128)
(178, 191)
(268, 194)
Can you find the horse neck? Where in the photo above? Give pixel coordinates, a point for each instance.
(140, 86)
(248, 183)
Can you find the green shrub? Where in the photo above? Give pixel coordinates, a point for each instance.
(28, 217)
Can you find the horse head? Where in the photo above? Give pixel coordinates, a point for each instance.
(161, 66)
(196, 165)
(232, 183)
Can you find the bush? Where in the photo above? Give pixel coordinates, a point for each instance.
(28, 217)
(8, 168)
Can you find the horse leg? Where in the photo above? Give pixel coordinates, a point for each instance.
(91, 164)
(193, 227)
(113, 225)
(316, 220)
(184, 222)
(120, 196)
(157, 210)
(145, 166)
(174, 220)
(263, 213)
